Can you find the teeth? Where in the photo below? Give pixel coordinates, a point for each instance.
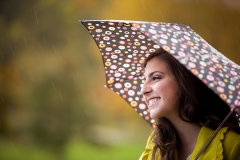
(153, 101)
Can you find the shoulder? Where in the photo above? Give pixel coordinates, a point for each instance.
(150, 143)
(225, 145)
(231, 145)
(147, 154)
(231, 136)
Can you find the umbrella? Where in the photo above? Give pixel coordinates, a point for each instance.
(125, 44)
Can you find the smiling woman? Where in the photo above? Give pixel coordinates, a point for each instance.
(186, 112)
(160, 89)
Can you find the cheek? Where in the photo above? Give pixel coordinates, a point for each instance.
(169, 91)
(160, 88)
(174, 95)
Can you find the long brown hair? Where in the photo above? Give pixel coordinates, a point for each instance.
(197, 104)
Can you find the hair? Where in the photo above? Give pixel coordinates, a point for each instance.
(196, 104)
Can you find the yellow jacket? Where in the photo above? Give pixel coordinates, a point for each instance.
(226, 145)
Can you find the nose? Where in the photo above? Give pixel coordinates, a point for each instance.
(146, 89)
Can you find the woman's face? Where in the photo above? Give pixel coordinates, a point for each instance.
(160, 90)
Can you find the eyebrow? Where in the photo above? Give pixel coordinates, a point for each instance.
(150, 75)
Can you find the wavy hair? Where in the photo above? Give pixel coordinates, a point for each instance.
(196, 104)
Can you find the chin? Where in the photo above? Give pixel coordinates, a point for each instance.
(154, 116)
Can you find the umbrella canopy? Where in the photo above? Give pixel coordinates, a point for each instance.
(125, 44)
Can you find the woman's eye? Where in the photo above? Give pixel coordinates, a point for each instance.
(156, 77)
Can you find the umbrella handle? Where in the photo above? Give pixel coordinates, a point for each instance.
(214, 133)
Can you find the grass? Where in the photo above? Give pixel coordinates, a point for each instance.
(85, 151)
(72, 151)
(10, 151)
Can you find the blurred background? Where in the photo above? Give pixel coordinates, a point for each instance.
(53, 104)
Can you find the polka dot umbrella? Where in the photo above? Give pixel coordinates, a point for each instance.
(125, 44)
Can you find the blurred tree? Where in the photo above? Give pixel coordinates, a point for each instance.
(8, 77)
(44, 80)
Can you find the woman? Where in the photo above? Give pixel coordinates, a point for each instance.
(186, 114)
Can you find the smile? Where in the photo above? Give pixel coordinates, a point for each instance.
(152, 101)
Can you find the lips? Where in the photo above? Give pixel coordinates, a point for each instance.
(153, 101)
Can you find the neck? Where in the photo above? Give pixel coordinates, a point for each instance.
(187, 135)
